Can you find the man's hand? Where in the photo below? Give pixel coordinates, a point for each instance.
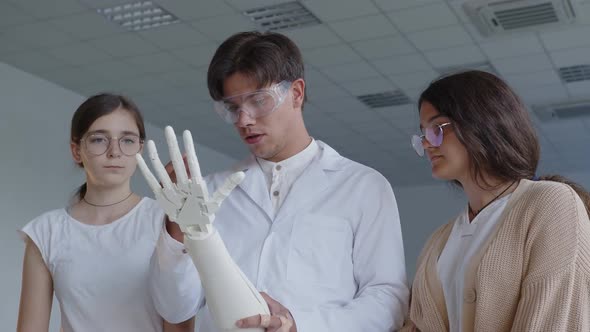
(280, 319)
(187, 201)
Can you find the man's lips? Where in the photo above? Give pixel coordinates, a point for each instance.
(253, 138)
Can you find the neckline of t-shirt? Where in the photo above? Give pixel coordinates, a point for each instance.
(116, 221)
(485, 213)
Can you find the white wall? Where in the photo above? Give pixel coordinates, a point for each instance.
(422, 210)
(36, 170)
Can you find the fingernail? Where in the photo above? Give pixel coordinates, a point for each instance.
(239, 323)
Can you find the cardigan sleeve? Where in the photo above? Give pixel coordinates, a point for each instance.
(555, 292)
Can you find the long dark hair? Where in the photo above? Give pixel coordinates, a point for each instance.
(95, 107)
(494, 126)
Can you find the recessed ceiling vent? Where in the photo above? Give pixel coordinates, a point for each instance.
(139, 15)
(576, 73)
(385, 99)
(289, 15)
(576, 110)
(495, 17)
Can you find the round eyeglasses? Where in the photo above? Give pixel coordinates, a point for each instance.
(255, 104)
(434, 136)
(98, 144)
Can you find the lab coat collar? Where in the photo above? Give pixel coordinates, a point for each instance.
(314, 177)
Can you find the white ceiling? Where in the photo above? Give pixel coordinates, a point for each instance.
(362, 47)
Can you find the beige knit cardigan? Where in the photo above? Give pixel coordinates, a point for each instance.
(532, 274)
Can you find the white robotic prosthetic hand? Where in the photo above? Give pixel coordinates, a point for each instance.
(229, 294)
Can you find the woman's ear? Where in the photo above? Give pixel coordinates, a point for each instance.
(76, 155)
(298, 92)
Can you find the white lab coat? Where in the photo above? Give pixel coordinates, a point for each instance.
(333, 254)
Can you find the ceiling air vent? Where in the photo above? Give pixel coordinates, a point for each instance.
(140, 15)
(284, 16)
(385, 99)
(496, 16)
(563, 111)
(575, 73)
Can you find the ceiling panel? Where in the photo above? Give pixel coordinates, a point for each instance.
(86, 25)
(10, 14)
(426, 17)
(512, 46)
(79, 54)
(368, 86)
(383, 47)
(331, 55)
(122, 45)
(198, 56)
(373, 26)
(173, 36)
(232, 23)
(402, 64)
(569, 37)
(350, 72)
(523, 64)
(456, 56)
(571, 57)
(156, 63)
(113, 70)
(521, 81)
(38, 35)
(579, 90)
(190, 9)
(313, 36)
(417, 79)
(243, 5)
(33, 61)
(389, 5)
(43, 9)
(440, 38)
(330, 11)
(544, 94)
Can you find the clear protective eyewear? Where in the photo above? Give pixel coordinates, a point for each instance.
(434, 136)
(255, 104)
(98, 144)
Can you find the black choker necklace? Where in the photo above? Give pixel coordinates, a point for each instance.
(99, 205)
(475, 213)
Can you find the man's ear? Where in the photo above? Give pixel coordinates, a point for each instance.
(75, 149)
(298, 92)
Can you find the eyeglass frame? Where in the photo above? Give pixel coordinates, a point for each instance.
(278, 92)
(423, 137)
(110, 139)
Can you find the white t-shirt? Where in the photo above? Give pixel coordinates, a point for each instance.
(100, 273)
(464, 242)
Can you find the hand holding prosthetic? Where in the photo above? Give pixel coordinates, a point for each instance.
(229, 294)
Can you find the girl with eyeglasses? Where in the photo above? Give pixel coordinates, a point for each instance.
(518, 257)
(95, 254)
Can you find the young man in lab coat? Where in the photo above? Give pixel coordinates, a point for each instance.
(319, 234)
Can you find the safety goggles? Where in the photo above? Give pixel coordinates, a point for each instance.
(434, 136)
(255, 104)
